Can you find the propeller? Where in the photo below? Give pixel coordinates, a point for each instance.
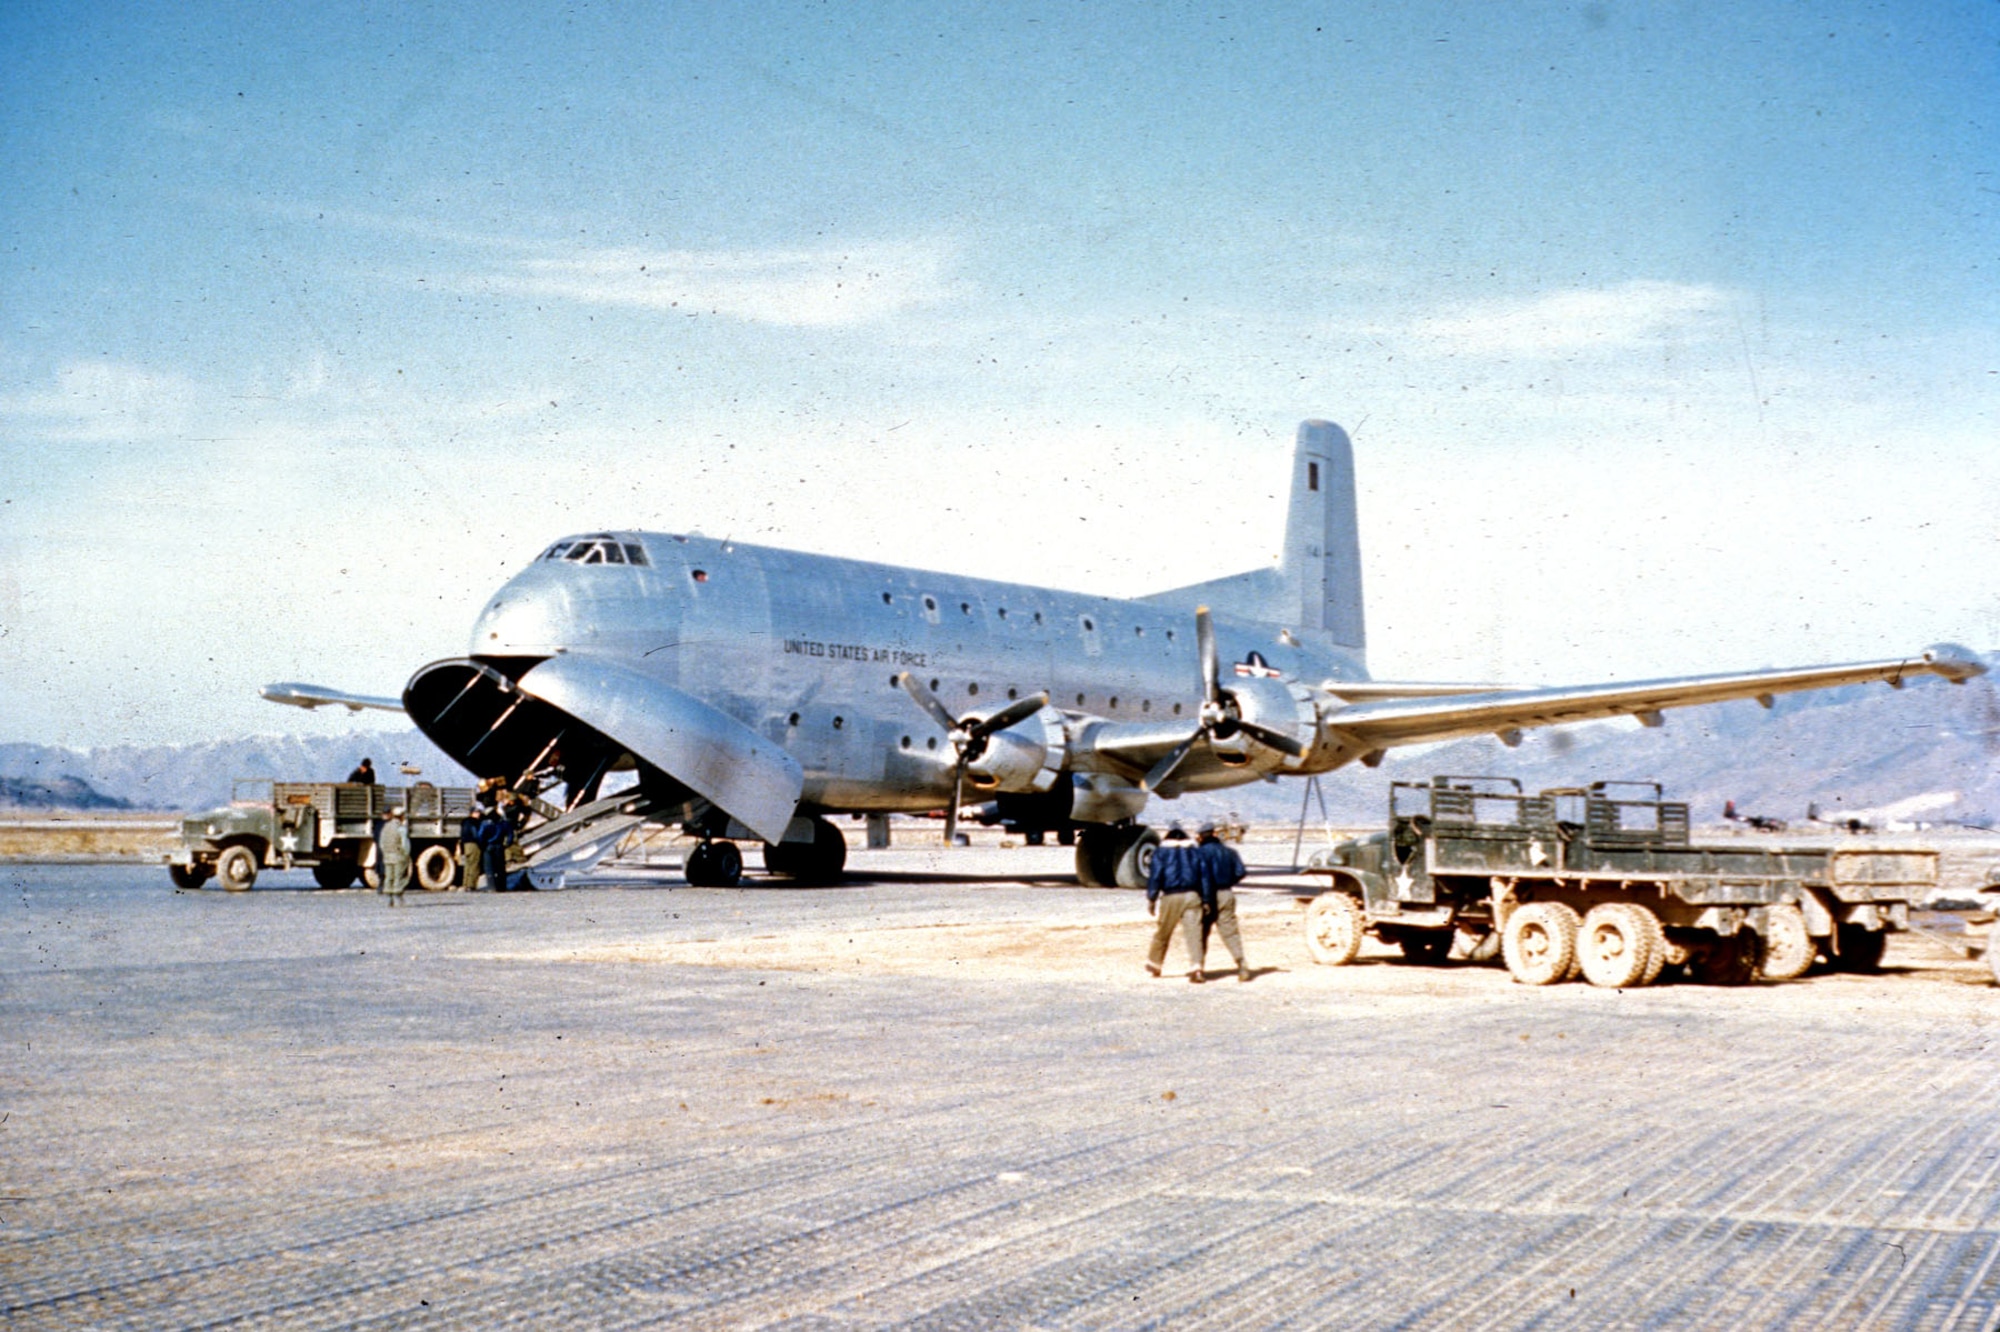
(1221, 717)
(968, 736)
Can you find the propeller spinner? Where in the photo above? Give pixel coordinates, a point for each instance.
(1221, 715)
(968, 737)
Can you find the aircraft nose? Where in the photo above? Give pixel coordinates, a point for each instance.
(524, 621)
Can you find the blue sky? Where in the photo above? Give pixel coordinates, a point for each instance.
(1666, 333)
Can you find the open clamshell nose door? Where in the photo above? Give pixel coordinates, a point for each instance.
(494, 725)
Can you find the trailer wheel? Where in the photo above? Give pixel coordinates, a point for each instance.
(1612, 947)
(236, 868)
(1335, 927)
(437, 869)
(1540, 943)
(335, 875)
(1427, 948)
(188, 876)
(1728, 961)
(1788, 945)
(1860, 948)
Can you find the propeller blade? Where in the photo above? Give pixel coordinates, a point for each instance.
(1211, 667)
(951, 810)
(927, 701)
(1277, 740)
(1165, 767)
(1010, 715)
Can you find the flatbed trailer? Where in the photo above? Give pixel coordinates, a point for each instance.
(1603, 881)
(327, 827)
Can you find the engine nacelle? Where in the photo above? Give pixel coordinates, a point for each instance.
(1274, 705)
(1026, 757)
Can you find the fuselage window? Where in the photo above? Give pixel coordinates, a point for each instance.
(701, 575)
(973, 689)
(1089, 625)
(635, 553)
(887, 599)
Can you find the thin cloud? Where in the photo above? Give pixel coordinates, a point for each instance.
(96, 401)
(1617, 318)
(792, 288)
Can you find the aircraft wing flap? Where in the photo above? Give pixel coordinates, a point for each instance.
(1400, 721)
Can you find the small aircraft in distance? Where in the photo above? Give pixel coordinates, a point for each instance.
(757, 691)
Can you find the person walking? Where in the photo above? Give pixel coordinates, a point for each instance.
(395, 843)
(1173, 896)
(495, 833)
(469, 851)
(1218, 869)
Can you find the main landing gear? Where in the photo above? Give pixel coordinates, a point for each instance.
(1115, 856)
(714, 865)
(819, 861)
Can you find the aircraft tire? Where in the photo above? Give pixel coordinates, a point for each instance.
(1788, 946)
(1860, 949)
(1135, 859)
(1612, 947)
(1540, 943)
(336, 874)
(1097, 852)
(1993, 951)
(823, 860)
(236, 868)
(714, 865)
(1335, 927)
(437, 869)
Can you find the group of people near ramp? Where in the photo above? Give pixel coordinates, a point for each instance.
(1193, 888)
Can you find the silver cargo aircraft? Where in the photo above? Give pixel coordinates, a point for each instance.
(758, 691)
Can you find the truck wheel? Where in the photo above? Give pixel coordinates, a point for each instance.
(236, 868)
(1788, 945)
(1480, 945)
(437, 869)
(1656, 940)
(1860, 948)
(1612, 947)
(1426, 948)
(1335, 926)
(1993, 951)
(188, 876)
(1540, 943)
(1135, 861)
(335, 875)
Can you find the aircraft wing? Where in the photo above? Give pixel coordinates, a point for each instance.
(310, 696)
(1364, 728)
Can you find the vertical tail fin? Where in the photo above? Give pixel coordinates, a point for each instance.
(1321, 566)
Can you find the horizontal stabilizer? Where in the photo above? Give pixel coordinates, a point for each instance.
(310, 696)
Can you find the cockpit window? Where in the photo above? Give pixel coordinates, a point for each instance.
(598, 550)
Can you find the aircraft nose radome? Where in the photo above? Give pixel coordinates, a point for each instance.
(1954, 661)
(521, 622)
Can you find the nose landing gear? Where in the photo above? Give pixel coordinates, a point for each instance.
(714, 865)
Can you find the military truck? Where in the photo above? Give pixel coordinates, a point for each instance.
(327, 827)
(1602, 881)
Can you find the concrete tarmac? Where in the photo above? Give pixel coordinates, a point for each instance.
(935, 1098)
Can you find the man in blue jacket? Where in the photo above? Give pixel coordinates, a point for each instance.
(1218, 870)
(1173, 895)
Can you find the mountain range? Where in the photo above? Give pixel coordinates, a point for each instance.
(1930, 750)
